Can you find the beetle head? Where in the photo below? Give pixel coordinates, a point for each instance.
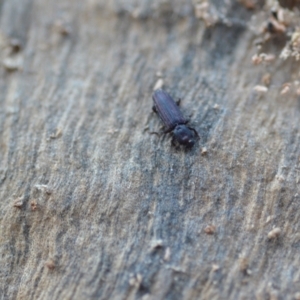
(184, 135)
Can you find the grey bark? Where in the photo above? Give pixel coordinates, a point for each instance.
(95, 207)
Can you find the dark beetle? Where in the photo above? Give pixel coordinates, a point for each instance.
(173, 119)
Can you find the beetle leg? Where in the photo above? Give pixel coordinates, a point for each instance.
(147, 122)
(195, 131)
(166, 130)
(160, 133)
(190, 115)
(173, 141)
(154, 132)
(178, 101)
(154, 109)
(175, 144)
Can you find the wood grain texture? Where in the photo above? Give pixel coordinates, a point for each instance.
(108, 211)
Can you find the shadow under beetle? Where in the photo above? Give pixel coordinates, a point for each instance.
(173, 119)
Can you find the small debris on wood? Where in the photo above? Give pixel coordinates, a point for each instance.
(43, 188)
(56, 134)
(273, 26)
(13, 63)
(256, 59)
(136, 280)
(18, 203)
(283, 23)
(15, 45)
(295, 43)
(176, 269)
(277, 22)
(244, 265)
(280, 14)
(216, 106)
(269, 218)
(33, 205)
(159, 84)
(215, 267)
(280, 178)
(262, 57)
(274, 233)
(285, 88)
(112, 131)
(268, 57)
(50, 264)
(62, 28)
(167, 255)
(206, 12)
(156, 244)
(210, 229)
(249, 4)
(204, 151)
(266, 79)
(260, 89)
(292, 48)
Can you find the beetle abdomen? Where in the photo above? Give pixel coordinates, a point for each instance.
(167, 110)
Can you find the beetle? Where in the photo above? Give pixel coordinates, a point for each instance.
(173, 119)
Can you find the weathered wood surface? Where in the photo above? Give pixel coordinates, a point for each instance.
(107, 211)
